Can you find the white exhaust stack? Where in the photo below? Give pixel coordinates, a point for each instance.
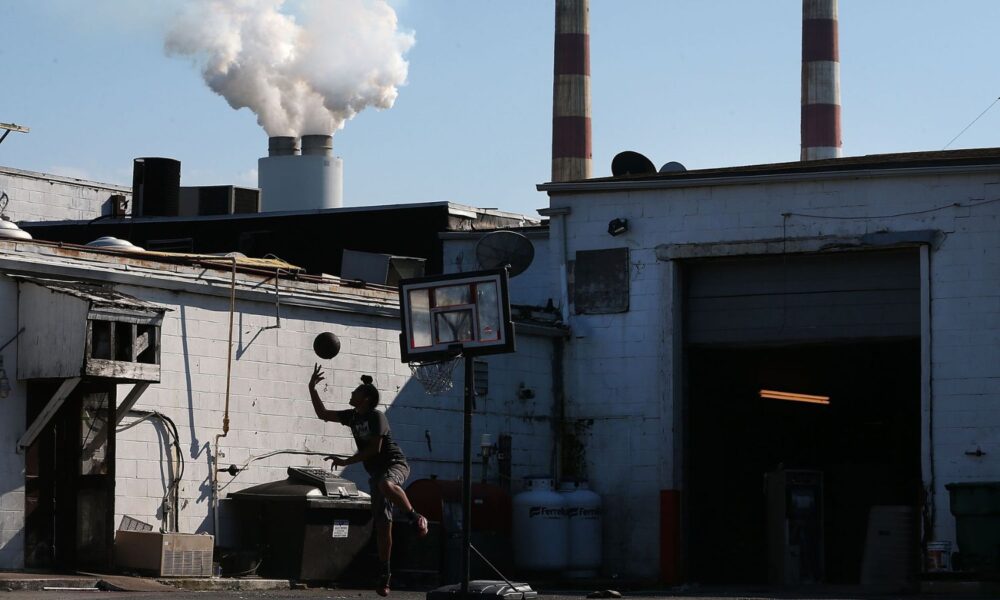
(294, 181)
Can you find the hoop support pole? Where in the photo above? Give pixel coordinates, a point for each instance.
(470, 390)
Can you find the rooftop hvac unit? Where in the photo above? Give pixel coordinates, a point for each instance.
(165, 554)
(383, 269)
(218, 200)
(155, 186)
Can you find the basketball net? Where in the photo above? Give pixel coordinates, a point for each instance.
(435, 375)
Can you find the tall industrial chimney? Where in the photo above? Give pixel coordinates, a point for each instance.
(291, 181)
(820, 81)
(571, 151)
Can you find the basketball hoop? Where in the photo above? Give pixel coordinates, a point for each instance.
(435, 375)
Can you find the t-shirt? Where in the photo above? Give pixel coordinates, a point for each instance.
(368, 428)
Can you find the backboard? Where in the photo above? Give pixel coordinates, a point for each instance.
(463, 312)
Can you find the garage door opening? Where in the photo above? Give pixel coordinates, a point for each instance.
(864, 441)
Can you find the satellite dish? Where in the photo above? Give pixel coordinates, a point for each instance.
(673, 167)
(631, 163)
(505, 249)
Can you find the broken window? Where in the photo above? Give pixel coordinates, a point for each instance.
(123, 341)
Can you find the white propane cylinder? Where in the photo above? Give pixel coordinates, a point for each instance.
(540, 526)
(583, 509)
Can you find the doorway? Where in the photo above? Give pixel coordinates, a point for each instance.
(70, 479)
(865, 441)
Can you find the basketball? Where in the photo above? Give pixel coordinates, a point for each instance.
(326, 345)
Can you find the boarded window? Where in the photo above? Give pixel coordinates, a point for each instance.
(601, 281)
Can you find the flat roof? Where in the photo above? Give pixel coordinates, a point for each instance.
(452, 208)
(904, 163)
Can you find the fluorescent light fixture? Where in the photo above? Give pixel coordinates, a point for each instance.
(792, 397)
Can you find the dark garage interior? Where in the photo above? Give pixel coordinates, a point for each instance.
(865, 442)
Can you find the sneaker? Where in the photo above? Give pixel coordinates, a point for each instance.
(419, 523)
(382, 584)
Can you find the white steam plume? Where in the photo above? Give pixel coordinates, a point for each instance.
(298, 77)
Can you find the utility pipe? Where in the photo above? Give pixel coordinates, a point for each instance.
(225, 416)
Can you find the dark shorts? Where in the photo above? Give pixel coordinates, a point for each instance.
(381, 507)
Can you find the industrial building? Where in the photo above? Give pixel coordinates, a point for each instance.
(166, 324)
(832, 318)
(186, 386)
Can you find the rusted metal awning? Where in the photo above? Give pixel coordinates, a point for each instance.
(97, 295)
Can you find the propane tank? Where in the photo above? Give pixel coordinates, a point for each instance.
(540, 527)
(583, 511)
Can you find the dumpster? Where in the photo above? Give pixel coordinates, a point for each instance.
(976, 507)
(308, 530)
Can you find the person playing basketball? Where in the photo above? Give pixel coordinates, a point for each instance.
(383, 460)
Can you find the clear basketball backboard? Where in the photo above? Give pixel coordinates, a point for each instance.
(447, 314)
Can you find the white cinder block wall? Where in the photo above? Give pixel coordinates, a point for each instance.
(11, 428)
(270, 408)
(269, 404)
(46, 197)
(620, 367)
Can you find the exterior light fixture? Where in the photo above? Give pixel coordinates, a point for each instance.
(792, 397)
(4, 382)
(618, 226)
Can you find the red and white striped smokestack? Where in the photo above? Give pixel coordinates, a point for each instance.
(820, 81)
(571, 154)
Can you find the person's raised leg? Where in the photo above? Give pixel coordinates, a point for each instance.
(397, 496)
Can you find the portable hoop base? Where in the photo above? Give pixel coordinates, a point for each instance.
(483, 590)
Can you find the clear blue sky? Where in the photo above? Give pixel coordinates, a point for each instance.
(708, 83)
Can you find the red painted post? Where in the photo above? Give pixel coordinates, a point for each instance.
(670, 538)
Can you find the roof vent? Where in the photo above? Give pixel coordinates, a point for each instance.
(673, 167)
(112, 243)
(10, 231)
(631, 163)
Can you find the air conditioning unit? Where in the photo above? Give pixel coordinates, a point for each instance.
(218, 200)
(165, 554)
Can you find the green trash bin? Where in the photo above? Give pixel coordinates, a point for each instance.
(976, 507)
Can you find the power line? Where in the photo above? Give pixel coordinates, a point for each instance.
(970, 124)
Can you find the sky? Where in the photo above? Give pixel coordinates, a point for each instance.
(708, 83)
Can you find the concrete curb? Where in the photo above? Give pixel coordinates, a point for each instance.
(223, 584)
(37, 584)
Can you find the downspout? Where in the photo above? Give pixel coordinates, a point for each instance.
(225, 416)
(558, 219)
(559, 408)
(562, 256)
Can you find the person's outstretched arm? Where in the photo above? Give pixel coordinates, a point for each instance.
(322, 411)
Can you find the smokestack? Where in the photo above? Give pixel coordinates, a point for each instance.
(571, 151)
(317, 145)
(290, 181)
(282, 145)
(820, 81)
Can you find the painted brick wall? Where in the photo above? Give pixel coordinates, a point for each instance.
(270, 407)
(620, 367)
(44, 197)
(11, 428)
